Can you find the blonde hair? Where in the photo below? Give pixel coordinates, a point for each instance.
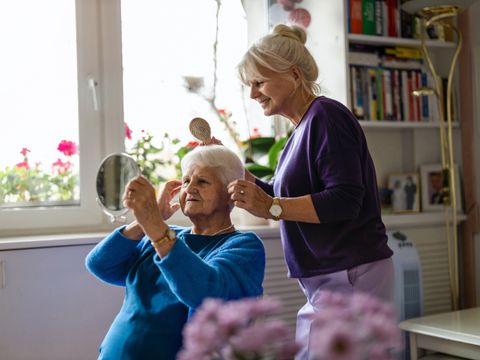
(278, 52)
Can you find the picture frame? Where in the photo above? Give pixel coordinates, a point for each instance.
(404, 192)
(432, 183)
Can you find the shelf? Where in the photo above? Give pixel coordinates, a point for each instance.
(395, 41)
(385, 124)
(417, 219)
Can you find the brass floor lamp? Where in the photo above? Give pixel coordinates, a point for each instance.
(438, 12)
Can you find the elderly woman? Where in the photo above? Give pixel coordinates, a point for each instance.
(169, 270)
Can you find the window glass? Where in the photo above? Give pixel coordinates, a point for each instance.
(180, 62)
(39, 106)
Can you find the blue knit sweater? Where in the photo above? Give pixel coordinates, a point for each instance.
(161, 294)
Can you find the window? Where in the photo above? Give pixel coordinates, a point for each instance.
(44, 91)
(63, 79)
(184, 67)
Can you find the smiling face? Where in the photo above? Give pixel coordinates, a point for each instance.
(203, 194)
(274, 92)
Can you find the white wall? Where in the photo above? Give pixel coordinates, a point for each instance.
(51, 308)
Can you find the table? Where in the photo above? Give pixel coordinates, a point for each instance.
(455, 333)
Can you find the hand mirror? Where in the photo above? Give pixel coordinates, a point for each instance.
(115, 171)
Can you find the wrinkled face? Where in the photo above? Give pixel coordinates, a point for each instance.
(203, 194)
(274, 94)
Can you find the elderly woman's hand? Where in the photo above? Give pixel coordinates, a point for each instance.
(140, 197)
(251, 197)
(167, 208)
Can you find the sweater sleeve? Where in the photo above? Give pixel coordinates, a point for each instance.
(266, 186)
(112, 258)
(344, 190)
(234, 270)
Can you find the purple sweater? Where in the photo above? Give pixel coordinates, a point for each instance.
(327, 157)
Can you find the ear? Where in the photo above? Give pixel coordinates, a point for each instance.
(297, 75)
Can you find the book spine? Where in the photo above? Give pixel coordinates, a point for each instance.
(379, 17)
(356, 16)
(368, 17)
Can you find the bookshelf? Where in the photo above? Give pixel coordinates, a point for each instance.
(389, 40)
(402, 143)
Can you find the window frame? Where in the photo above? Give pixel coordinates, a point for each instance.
(101, 131)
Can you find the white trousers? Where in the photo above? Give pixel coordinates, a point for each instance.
(375, 278)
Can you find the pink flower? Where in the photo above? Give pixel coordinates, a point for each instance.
(61, 167)
(234, 330)
(128, 132)
(23, 164)
(255, 134)
(24, 151)
(68, 148)
(356, 326)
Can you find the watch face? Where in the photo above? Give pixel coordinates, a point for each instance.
(276, 210)
(171, 234)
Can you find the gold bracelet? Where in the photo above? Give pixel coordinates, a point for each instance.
(169, 236)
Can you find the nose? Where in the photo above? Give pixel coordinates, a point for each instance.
(253, 92)
(191, 188)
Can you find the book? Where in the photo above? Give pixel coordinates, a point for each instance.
(356, 17)
(368, 17)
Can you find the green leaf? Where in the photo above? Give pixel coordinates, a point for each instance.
(260, 171)
(275, 151)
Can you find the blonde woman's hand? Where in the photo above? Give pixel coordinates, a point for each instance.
(170, 189)
(249, 196)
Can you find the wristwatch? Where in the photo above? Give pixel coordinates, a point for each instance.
(276, 209)
(169, 236)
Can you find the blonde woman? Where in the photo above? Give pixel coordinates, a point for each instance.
(324, 191)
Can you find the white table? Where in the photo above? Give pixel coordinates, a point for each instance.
(455, 333)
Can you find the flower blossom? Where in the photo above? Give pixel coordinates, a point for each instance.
(255, 134)
(128, 132)
(23, 164)
(24, 151)
(233, 330)
(68, 148)
(61, 167)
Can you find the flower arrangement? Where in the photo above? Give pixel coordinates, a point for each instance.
(356, 327)
(29, 182)
(158, 162)
(234, 330)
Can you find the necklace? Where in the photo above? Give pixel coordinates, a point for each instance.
(307, 106)
(223, 230)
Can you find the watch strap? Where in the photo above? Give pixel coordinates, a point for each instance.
(164, 238)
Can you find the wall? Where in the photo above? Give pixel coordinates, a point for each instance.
(51, 308)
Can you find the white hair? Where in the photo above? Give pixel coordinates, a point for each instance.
(226, 163)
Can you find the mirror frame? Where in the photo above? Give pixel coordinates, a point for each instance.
(115, 215)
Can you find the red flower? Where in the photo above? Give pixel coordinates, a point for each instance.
(24, 151)
(68, 148)
(62, 167)
(255, 134)
(23, 164)
(128, 132)
(192, 144)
